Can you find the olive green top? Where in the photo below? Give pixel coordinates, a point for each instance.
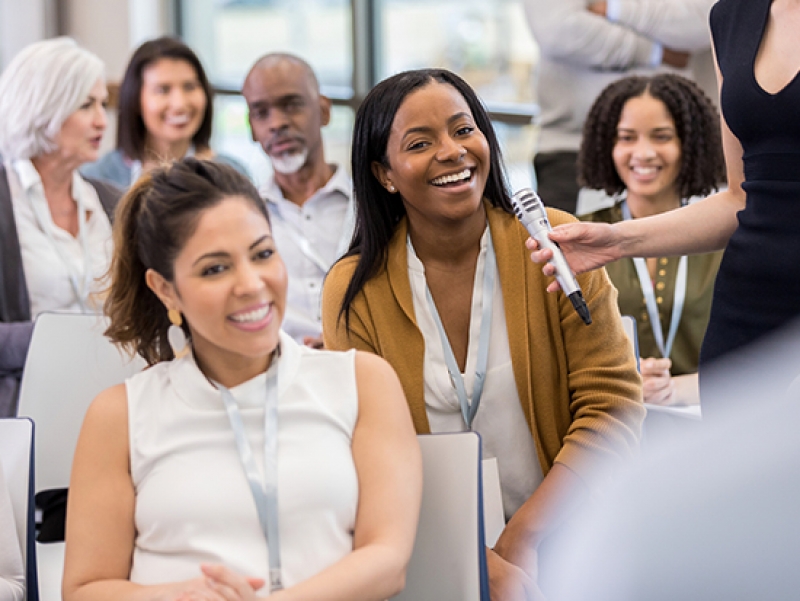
(702, 271)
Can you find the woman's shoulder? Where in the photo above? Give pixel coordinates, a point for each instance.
(109, 407)
(605, 215)
(231, 162)
(726, 15)
(111, 167)
(343, 268)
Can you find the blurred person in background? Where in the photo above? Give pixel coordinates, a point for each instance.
(652, 143)
(309, 199)
(585, 45)
(55, 225)
(165, 113)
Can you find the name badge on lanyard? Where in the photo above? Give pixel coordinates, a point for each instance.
(678, 301)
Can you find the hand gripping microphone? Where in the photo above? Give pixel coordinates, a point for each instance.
(530, 210)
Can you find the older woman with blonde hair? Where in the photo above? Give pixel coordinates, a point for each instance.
(55, 226)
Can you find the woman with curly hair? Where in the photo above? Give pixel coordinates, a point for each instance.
(653, 143)
(755, 219)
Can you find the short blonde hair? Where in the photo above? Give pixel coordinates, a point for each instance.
(43, 85)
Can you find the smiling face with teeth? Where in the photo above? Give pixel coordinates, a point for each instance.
(647, 155)
(436, 157)
(230, 285)
(173, 103)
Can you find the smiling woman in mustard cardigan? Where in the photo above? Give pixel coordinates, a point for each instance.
(438, 282)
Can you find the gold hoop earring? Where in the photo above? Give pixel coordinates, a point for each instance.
(175, 334)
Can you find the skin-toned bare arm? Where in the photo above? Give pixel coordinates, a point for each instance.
(389, 467)
(559, 495)
(700, 227)
(100, 526)
(100, 530)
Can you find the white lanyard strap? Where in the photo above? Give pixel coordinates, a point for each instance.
(309, 251)
(470, 409)
(678, 301)
(265, 495)
(80, 289)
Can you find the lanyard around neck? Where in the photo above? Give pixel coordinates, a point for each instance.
(678, 301)
(79, 288)
(264, 494)
(304, 244)
(470, 409)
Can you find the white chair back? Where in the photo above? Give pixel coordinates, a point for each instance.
(69, 362)
(449, 559)
(16, 447)
(629, 324)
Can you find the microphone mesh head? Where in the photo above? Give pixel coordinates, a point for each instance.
(523, 200)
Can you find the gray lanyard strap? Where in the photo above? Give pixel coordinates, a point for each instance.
(649, 297)
(469, 410)
(81, 290)
(265, 495)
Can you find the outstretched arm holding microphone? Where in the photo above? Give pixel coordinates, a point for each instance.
(754, 219)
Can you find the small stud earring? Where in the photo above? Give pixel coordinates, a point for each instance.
(175, 334)
(392, 189)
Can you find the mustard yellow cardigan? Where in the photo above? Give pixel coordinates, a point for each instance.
(578, 385)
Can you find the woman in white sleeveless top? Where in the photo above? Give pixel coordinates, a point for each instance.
(249, 465)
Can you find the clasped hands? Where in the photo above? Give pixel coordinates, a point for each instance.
(218, 583)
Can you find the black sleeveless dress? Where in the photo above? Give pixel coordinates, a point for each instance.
(757, 289)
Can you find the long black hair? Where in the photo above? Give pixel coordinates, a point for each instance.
(377, 211)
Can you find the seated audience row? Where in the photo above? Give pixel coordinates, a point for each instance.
(437, 281)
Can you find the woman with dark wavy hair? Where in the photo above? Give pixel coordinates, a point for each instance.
(653, 143)
(437, 281)
(239, 459)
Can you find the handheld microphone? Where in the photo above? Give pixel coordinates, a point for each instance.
(530, 210)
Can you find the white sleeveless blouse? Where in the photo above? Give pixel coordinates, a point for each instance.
(193, 503)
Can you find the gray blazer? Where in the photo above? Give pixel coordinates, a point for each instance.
(16, 327)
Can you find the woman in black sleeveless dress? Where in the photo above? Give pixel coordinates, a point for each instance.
(758, 285)
(758, 217)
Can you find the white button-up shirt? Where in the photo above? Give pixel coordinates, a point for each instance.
(310, 238)
(61, 270)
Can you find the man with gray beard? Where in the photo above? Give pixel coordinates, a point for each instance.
(309, 200)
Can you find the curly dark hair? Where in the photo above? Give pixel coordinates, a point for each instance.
(696, 122)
